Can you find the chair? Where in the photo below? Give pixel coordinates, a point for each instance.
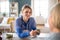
(11, 22)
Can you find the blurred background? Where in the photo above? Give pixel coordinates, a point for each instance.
(10, 11)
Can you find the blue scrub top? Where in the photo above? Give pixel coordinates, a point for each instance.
(21, 26)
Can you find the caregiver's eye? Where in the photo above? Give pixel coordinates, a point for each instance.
(26, 11)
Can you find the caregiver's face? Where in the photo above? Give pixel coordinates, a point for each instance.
(27, 13)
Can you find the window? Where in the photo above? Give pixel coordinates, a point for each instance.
(4, 7)
(40, 8)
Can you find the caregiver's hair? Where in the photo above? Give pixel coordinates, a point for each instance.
(26, 6)
(55, 13)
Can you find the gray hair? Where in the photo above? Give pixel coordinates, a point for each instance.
(55, 13)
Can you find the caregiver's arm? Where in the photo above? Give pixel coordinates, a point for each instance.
(19, 30)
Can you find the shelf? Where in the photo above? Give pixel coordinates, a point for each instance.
(14, 9)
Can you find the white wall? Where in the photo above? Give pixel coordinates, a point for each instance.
(41, 20)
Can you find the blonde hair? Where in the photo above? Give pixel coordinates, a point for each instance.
(55, 13)
(26, 6)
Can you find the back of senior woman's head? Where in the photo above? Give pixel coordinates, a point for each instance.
(55, 17)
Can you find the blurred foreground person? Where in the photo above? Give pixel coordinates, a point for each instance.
(54, 23)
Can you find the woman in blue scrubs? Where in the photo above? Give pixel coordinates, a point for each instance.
(25, 24)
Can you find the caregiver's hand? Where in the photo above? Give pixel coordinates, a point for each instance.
(33, 33)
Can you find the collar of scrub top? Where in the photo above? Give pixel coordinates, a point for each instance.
(27, 26)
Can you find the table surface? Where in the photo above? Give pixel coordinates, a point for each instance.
(42, 36)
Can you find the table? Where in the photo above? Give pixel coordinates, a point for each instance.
(42, 36)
